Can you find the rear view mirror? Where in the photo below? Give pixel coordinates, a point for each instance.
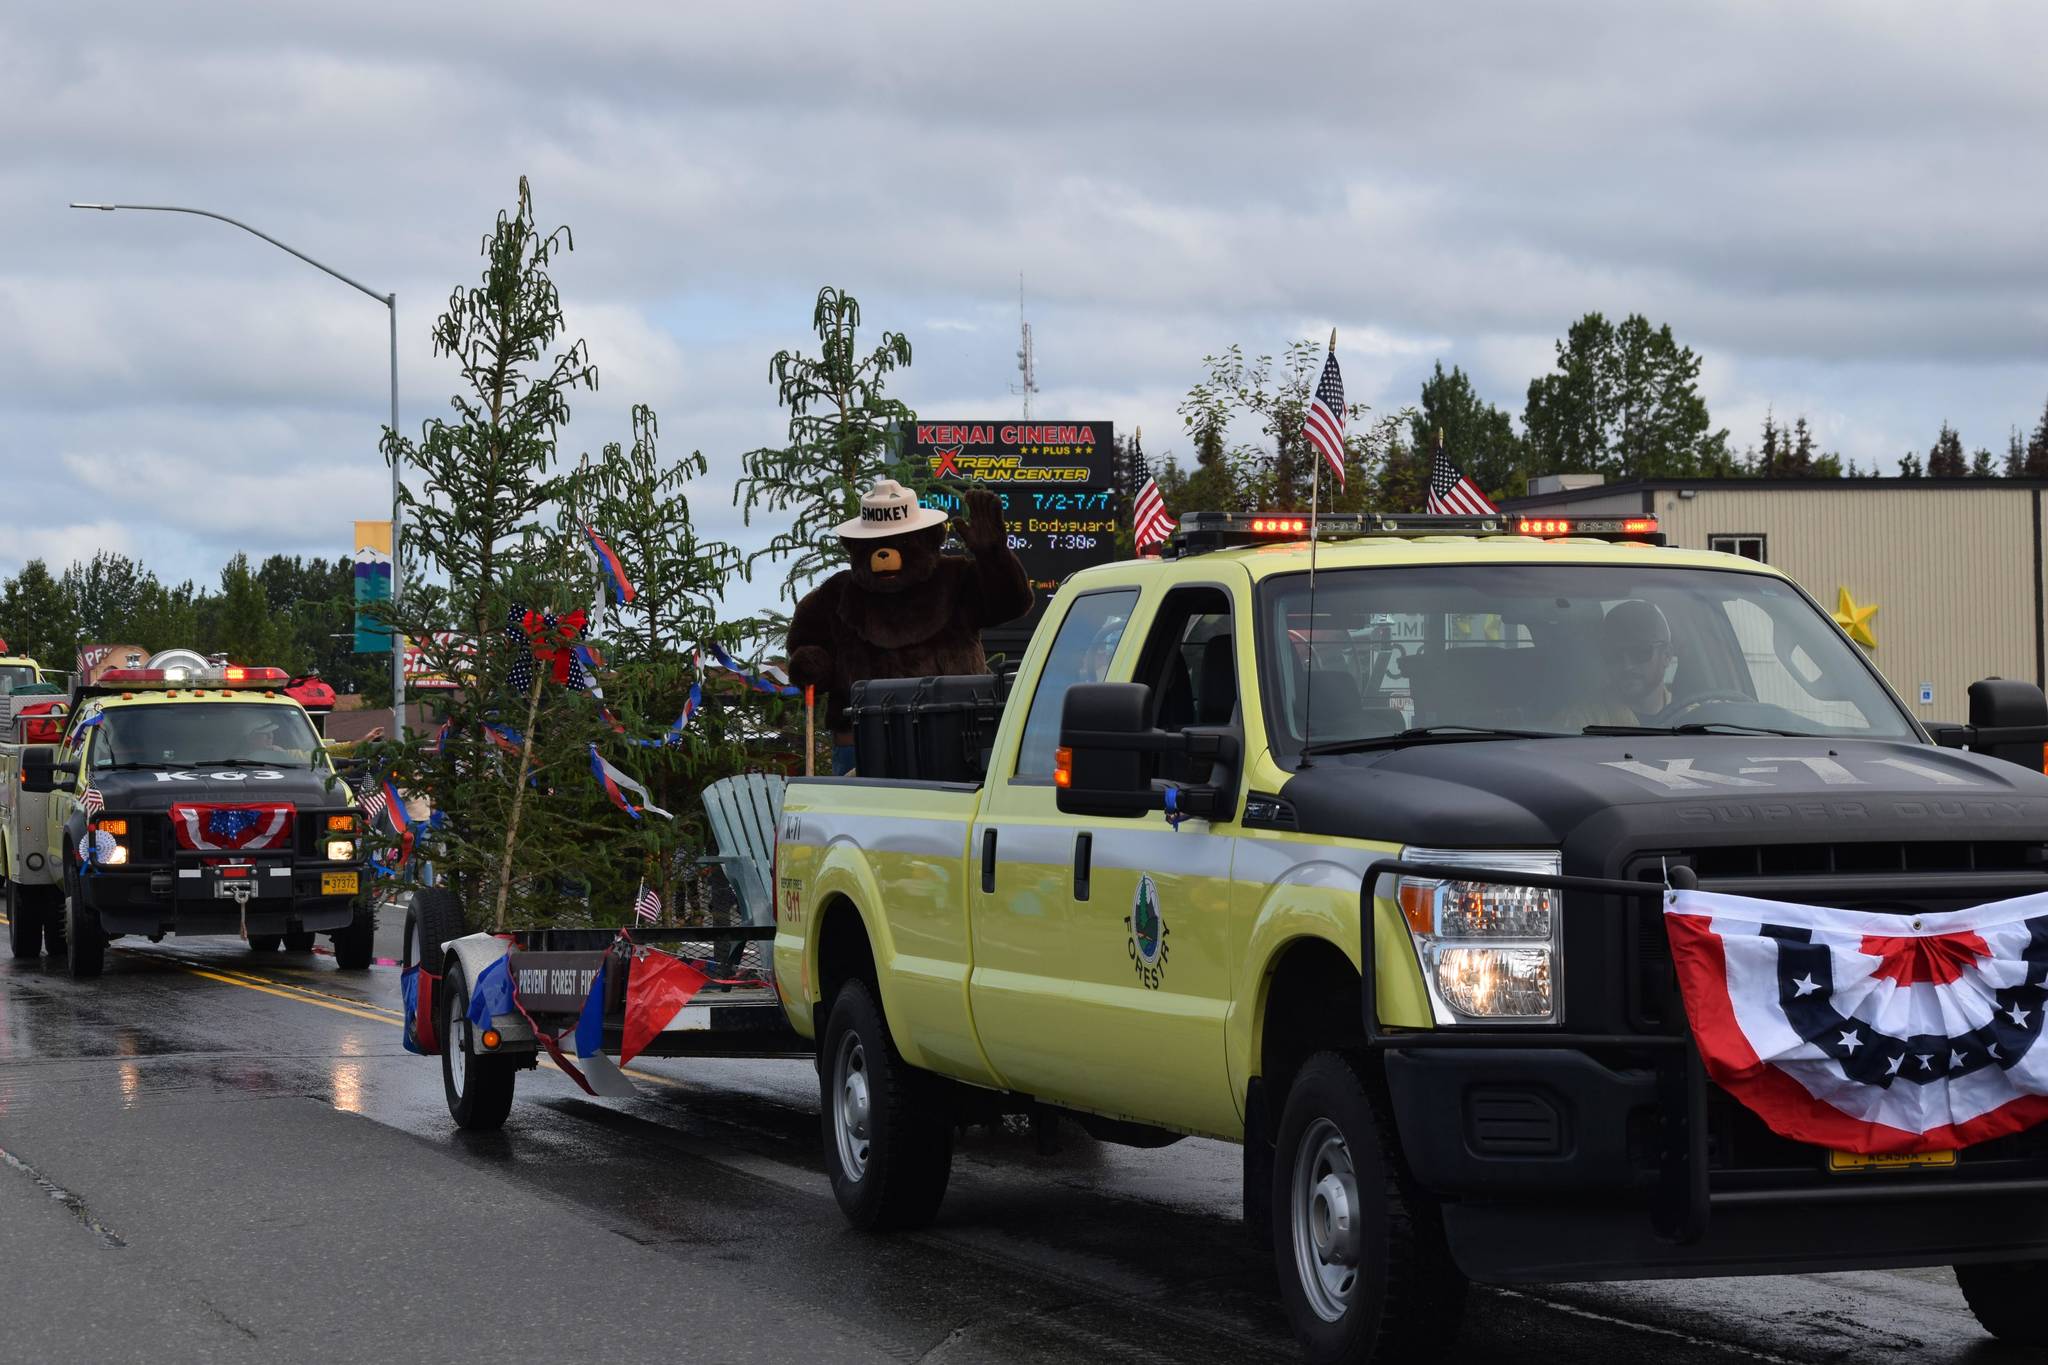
(2008, 704)
(1109, 757)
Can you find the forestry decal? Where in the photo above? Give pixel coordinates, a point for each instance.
(1147, 934)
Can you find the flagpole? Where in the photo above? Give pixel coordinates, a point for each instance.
(1315, 490)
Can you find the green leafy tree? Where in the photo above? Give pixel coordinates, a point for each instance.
(104, 591)
(1624, 401)
(239, 622)
(841, 439)
(1480, 438)
(162, 616)
(1945, 459)
(37, 617)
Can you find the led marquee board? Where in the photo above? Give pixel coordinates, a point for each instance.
(1059, 504)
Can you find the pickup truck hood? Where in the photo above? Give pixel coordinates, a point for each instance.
(148, 791)
(1602, 794)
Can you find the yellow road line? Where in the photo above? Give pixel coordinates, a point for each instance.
(289, 995)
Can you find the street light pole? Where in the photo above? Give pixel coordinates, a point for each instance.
(390, 302)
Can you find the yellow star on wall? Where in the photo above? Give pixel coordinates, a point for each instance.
(1854, 619)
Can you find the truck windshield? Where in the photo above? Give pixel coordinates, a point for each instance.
(202, 734)
(1557, 648)
(15, 675)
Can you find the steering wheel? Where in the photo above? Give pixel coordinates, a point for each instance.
(1673, 713)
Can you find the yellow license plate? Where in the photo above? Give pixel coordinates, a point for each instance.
(1858, 1161)
(337, 883)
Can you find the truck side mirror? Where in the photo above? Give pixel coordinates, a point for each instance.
(2007, 703)
(39, 768)
(1105, 765)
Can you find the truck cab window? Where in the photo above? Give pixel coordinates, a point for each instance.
(1191, 666)
(1080, 654)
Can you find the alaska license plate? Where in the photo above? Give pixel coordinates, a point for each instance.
(1902, 1161)
(337, 883)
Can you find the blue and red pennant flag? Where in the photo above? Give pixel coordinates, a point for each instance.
(657, 988)
(766, 680)
(1867, 1032)
(609, 567)
(616, 784)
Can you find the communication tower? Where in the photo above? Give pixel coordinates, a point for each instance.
(1027, 367)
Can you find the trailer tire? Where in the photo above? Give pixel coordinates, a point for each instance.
(24, 925)
(2005, 1297)
(888, 1143)
(1364, 1272)
(478, 1086)
(85, 947)
(436, 914)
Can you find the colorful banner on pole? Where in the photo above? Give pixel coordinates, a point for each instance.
(373, 584)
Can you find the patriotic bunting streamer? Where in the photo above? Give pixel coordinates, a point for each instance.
(674, 734)
(231, 829)
(584, 1061)
(609, 567)
(658, 987)
(1866, 1032)
(770, 679)
(616, 784)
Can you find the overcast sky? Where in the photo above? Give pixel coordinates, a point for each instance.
(1840, 205)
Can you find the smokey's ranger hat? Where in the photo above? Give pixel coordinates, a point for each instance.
(888, 509)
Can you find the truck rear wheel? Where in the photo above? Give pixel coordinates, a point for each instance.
(478, 1084)
(1364, 1275)
(85, 947)
(888, 1146)
(2005, 1297)
(24, 924)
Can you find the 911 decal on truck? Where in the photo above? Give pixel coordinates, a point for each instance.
(1372, 873)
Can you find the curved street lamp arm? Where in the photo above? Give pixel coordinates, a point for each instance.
(386, 299)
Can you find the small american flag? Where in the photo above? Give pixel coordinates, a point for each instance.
(1453, 494)
(373, 803)
(646, 905)
(1325, 423)
(91, 802)
(1149, 517)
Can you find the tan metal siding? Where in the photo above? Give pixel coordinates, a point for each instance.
(1951, 571)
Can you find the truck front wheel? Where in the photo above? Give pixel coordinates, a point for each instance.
(888, 1147)
(2005, 1297)
(1364, 1275)
(24, 924)
(354, 945)
(478, 1084)
(85, 947)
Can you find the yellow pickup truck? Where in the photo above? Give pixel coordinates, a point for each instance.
(1361, 869)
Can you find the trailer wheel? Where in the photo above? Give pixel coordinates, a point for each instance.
(1364, 1275)
(888, 1145)
(355, 944)
(299, 942)
(479, 1086)
(437, 916)
(2005, 1297)
(85, 947)
(24, 925)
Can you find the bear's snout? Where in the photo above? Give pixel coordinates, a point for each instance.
(885, 561)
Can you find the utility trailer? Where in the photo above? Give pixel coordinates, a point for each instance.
(544, 997)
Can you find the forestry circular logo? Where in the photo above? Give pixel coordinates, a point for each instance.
(1146, 927)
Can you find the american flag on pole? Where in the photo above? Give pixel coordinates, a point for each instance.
(91, 802)
(1451, 493)
(646, 905)
(1325, 423)
(1150, 520)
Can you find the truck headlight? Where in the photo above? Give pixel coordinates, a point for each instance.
(1488, 951)
(341, 850)
(114, 855)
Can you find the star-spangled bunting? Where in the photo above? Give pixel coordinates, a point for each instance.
(770, 679)
(1451, 493)
(1325, 423)
(1151, 523)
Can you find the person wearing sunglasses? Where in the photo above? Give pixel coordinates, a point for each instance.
(1635, 660)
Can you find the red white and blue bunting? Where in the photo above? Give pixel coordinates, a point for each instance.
(1866, 1032)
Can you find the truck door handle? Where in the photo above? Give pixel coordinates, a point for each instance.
(1084, 853)
(988, 861)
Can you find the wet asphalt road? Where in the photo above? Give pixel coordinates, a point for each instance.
(213, 1154)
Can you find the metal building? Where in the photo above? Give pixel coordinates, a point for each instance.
(1946, 575)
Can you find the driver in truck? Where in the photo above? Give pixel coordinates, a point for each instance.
(1636, 654)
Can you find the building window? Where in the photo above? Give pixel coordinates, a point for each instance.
(1748, 545)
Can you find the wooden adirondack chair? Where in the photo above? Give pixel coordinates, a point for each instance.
(743, 812)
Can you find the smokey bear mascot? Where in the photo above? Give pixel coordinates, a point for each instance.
(902, 609)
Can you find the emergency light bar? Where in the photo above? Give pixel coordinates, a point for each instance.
(232, 676)
(1200, 532)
